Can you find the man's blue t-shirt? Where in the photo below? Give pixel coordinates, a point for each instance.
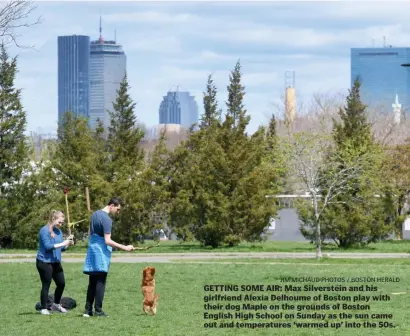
(46, 252)
(101, 223)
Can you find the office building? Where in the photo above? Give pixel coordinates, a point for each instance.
(73, 75)
(178, 107)
(107, 70)
(381, 75)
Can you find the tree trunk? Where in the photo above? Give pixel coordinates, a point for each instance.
(318, 241)
(318, 233)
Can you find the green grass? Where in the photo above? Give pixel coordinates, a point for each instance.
(325, 261)
(181, 305)
(388, 246)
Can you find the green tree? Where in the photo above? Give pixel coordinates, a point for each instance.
(199, 205)
(14, 150)
(357, 218)
(396, 186)
(212, 115)
(124, 139)
(353, 127)
(317, 167)
(34, 197)
(148, 201)
(76, 163)
(235, 107)
(222, 176)
(126, 157)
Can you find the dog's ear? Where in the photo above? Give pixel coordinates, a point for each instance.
(144, 272)
(153, 271)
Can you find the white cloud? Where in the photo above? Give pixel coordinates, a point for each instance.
(220, 27)
(276, 35)
(284, 37)
(258, 79)
(165, 44)
(296, 13)
(172, 76)
(364, 10)
(212, 60)
(150, 17)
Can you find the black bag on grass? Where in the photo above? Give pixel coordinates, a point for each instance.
(67, 303)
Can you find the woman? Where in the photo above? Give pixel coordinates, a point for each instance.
(49, 261)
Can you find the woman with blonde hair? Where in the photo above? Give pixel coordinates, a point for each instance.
(49, 261)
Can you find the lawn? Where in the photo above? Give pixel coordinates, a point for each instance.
(181, 307)
(389, 246)
(377, 262)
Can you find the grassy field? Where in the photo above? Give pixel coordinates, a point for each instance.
(322, 261)
(389, 246)
(181, 307)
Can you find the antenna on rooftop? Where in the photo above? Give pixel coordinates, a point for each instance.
(101, 39)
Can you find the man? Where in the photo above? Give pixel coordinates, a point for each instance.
(97, 261)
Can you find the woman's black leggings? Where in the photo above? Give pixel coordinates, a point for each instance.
(48, 272)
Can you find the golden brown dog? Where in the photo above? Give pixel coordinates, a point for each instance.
(149, 304)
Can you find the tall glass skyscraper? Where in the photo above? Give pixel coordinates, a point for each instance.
(382, 76)
(107, 70)
(178, 107)
(73, 75)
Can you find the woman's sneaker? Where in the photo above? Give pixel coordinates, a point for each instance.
(59, 308)
(45, 312)
(88, 313)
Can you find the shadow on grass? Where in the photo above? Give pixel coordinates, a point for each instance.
(30, 313)
(38, 313)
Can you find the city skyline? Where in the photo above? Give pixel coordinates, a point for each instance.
(169, 44)
(381, 76)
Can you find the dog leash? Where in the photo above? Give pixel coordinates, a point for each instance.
(145, 248)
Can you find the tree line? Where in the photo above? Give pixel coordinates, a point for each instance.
(213, 186)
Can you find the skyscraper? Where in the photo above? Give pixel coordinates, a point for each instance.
(178, 107)
(382, 76)
(73, 75)
(107, 70)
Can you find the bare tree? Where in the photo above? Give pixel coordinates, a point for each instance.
(14, 15)
(322, 178)
(314, 116)
(173, 138)
(386, 130)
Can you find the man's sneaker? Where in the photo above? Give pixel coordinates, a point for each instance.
(45, 312)
(88, 313)
(101, 314)
(58, 308)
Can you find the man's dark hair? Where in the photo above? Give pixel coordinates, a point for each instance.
(116, 201)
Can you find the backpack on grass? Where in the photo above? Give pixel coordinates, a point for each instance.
(67, 303)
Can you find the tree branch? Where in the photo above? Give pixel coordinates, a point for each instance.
(14, 15)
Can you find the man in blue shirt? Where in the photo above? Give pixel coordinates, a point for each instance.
(98, 259)
(48, 261)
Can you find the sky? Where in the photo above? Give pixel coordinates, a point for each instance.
(170, 44)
